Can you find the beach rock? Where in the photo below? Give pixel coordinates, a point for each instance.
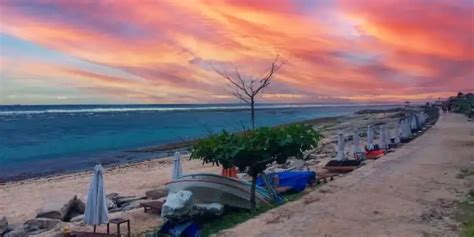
(207, 210)
(125, 201)
(113, 196)
(77, 218)
(15, 233)
(156, 193)
(110, 203)
(40, 224)
(3, 225)
(178, 205)
(55, 209)
(132, 205)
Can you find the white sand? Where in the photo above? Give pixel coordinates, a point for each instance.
(20, 201)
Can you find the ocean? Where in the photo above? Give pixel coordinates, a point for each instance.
(44, 139)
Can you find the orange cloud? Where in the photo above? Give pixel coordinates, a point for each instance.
(349, 50)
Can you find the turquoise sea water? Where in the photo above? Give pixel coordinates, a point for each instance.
(38, 140)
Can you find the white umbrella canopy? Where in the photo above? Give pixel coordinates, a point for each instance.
(177, 169)
(387, 136)
(397, 134)
(422, 118)
(414, 123)
(96, 212)
(356, 141)
(370, 138)
(383, 141)
(340, 147)
(407, 129)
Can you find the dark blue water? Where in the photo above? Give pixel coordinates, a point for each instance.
(42, 139)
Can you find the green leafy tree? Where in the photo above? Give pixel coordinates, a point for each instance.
(254, 150)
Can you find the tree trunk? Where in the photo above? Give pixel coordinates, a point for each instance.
(252, 108)
(253, 203)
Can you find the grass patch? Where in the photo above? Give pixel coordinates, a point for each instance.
(230, 220)
(234, 218)
(465, 215)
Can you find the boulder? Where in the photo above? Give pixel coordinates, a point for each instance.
(15, 233)
(113, 197)
(125, 201)
(156, 193)
(207, 210)
(62, 210)
(110, 203)
(3, 225)
(131, 205)
(38, 224)
(52, 214)
(178, 205)
(77, 218)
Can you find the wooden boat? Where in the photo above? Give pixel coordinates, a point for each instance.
(211, 188)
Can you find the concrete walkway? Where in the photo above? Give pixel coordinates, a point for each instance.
(410, 192)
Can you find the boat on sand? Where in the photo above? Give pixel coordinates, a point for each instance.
(211, 188)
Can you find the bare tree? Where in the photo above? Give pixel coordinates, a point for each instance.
(246, 89)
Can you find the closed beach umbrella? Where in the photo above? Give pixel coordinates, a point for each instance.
(408, 128)
(383, 141)
(423, 118)
(340, 147)
(397, 134)
(387, 136)
(404, 129)
(356, 141)
(177, 170)
(370, 138)
(96, 207)
(414, 123)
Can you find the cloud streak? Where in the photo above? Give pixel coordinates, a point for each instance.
(359, 51)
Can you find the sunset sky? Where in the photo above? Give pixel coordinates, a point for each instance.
(159, 51)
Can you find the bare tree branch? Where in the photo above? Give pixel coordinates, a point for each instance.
(246, 89)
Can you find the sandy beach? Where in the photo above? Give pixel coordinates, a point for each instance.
(21, 200)
(410, 192)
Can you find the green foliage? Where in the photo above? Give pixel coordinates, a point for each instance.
(218, 149)
(231, 219)
(254, 150)
(465, 215)
(463, 103)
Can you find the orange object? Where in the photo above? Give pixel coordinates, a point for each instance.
(230, 172)
(374, 154)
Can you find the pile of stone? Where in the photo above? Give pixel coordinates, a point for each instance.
(3, 225)
(51, 216)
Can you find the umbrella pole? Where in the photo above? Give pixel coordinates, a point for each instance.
(95, 227)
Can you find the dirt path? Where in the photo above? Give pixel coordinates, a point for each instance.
(410, 192)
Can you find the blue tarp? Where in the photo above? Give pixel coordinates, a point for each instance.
(185, 229)
(297, 180)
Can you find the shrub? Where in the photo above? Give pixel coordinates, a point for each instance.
(254, 150)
